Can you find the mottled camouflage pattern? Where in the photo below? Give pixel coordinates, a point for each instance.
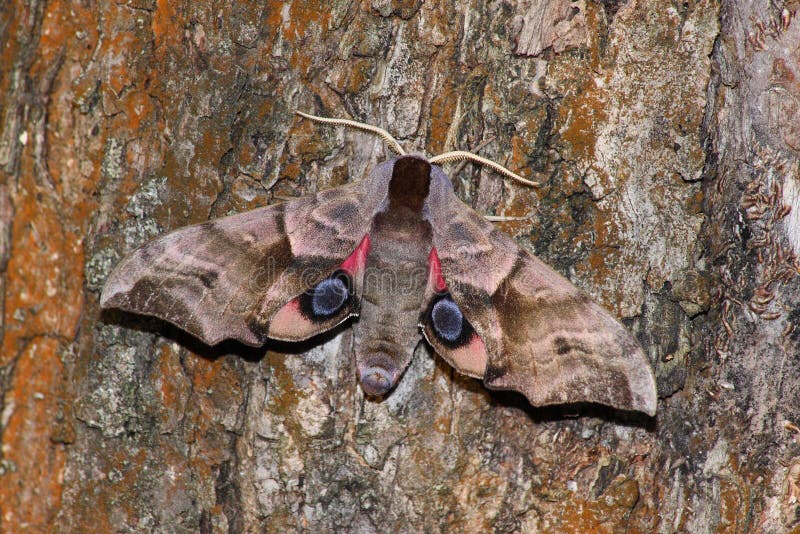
(225, 279)
(544, 337)
(541, 335)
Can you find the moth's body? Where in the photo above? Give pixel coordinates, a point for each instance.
(395, 278)
(401, 251)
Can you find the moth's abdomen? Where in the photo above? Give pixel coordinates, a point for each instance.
(393, 291)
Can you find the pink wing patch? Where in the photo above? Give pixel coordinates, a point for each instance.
(435, 280)
(471, 358)
(289, 323)
(355, 262)
(296, 321)
(464, 349)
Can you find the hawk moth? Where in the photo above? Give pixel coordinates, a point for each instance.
(402, 253)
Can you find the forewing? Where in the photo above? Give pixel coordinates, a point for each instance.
(542, 336)
(227, 278)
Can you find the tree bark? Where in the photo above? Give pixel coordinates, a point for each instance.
(667, 135)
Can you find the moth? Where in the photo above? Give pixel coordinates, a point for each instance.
(404, 255)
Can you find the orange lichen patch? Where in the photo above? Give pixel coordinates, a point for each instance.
(733, 505)
(442, 424)
(523, 205)
(111, 492)
(306, 141)
(292, 170)
(302, 17)
(694, 203)
(274, 17)
(57, 25)
(83, 21)
(520, 151)
(478, 493)
(595, 516)
(606, 230)
(138, 107)
(172, 387)
(116, 51)
(361, 72)
(210, 375)
(305, 15)
(603, 264)
(301, 61)
(443, 107)
(167, 26)
(580, 117)
(45, 275)
(211, 148)
(595, 20)
(285, 402)
(30, 488)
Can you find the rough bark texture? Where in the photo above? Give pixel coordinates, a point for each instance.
(668, 135)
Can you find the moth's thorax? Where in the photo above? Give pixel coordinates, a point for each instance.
(395, 278)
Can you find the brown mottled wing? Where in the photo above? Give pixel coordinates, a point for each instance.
(225, 279)
(543, 336)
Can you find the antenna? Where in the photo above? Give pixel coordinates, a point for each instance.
(393, 144)
(457, 155)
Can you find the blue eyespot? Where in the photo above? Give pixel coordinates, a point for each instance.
(447, 320)
(328, 297)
